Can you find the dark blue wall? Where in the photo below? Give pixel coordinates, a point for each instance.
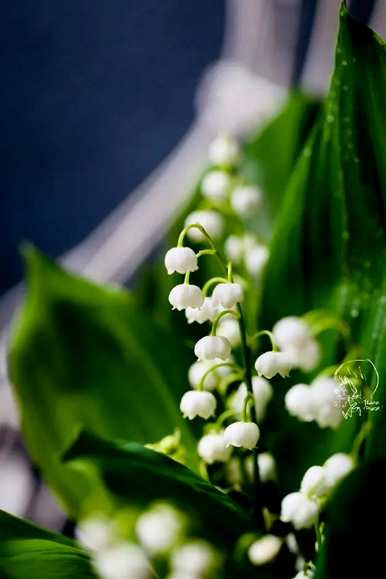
(93, 95)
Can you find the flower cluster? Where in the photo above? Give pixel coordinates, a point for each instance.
(302, 508)
(317, 402)
(158, 537)
(230, 388)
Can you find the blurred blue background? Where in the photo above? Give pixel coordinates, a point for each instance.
(93, 96)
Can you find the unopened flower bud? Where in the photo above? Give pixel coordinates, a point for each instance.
(291, 331)
(215, 185)
(224, 151)
(271, 363)
(299, 510)
(267, 468)
(197, 371)
(181, 260)
(300, 403)
(246, 200)
(256, 258)
(194, 559)
(183, 296)
(159, 528)
(227, 295)
(122, 561)
(212, 347)
(327, 409)
(264, 550)
(242, 435)
(210, 220)
(234, 248)
(198, 403)
(229, 328)
(212, 448)
(314, 482)
(337, 467)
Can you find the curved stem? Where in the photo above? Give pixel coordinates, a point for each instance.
(265, 333)
(205, 252)
(221, 315)
(224, 416)
(200, 385)
(212, 281)
(257, 506)
(248, 399)
(210, 241)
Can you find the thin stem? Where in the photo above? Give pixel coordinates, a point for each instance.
(186, 278)
(229, 272)
(183, 233)
(264, 333)
(211, 282)
(205, 252)
(248, 400)
(200, 385)
(318, 534)
(257, 507)
(359, 440)
(221, 315)
(224, 416)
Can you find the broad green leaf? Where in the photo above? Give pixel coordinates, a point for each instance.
(83, 355)
(134, 473)
(29, 551)
(270, 155)
(355, 540)
(328, 248)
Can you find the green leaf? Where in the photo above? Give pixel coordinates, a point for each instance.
(83, 355)
(134, 473)
(328, 249)
(354, 544)
(270, 155)
(29, 551)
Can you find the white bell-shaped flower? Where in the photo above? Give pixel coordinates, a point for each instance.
(314, 482)
(291, 331)
(206, 313)
(122, 561)
(299, 402)
(265, 549)
(262, 392)
(196, 372)
(227, 295)
(159, 528)
(242, 435)
(198, 403)
(303, 574)
(255, 259)
(267, 467)
(212, 347)
(271, 363)
(234, 248)
(95, 532)
(215, 185)
(224, 151)
(210, 220)
(327, 407)
(246, 200)
(194, 560)
(229, 328)
(181, 260)
(212, 448)
(337, 467)
(299, 510)
(293, 336)
(184, 296)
